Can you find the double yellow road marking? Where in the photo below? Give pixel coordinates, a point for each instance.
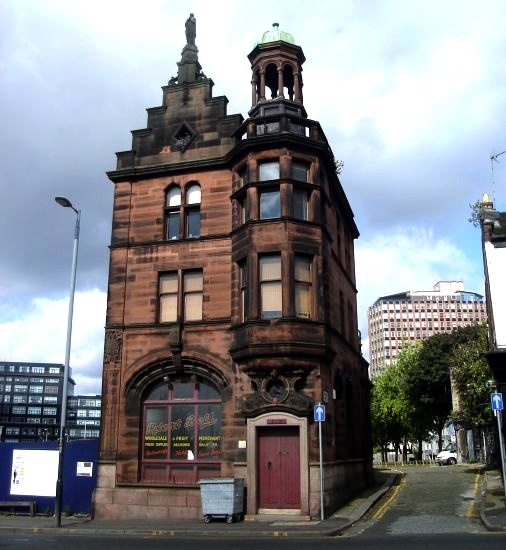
(470, 512)
(393, 496)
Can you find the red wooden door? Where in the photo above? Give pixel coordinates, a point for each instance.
(278, 467)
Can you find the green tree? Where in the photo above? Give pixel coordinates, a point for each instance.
(390, 410)
(470, 374)
(413, 398)
(474, 217)
(428, 388)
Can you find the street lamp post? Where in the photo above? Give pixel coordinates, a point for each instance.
(62, 201)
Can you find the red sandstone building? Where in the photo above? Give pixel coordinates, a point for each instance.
(232, 304)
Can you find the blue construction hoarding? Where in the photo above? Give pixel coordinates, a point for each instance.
(28, 472)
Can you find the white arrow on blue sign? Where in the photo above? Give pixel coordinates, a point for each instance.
(496, 400)
(319, 413)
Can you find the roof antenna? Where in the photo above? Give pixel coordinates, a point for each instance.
(492, 159)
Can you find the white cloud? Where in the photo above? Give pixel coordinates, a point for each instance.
(408, 258)
(409, 94)
(38, 333)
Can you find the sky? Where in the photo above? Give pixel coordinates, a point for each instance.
(410, 94)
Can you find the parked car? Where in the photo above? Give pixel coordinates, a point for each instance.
(447, 455)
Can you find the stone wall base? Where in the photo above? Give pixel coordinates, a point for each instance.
(127, 502)
(341, 481)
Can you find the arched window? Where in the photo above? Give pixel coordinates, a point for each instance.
(288, 82)
(181, 431)
(174, 196)
(188, 212)
(192, 217)
(172, 207)
(271, 79)
(193, 194)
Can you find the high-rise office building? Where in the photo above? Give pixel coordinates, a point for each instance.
(83, 416)
(31, 397)
(404, 318)
(30, 404)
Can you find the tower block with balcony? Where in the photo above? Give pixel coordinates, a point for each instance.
(232, 304)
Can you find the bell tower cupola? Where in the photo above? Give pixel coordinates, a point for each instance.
(276, 65)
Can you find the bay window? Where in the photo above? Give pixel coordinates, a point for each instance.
(270, 286)
(243, 289)
(300, 204)
(270, 204)
(303, 287)
(299, 171)
(268, 170)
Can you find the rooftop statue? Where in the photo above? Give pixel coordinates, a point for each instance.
(191, 29)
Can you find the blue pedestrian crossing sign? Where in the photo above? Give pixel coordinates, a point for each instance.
(319, 413)
(496, 400)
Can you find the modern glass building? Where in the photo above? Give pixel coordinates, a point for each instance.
(30, 400)
(83, 416)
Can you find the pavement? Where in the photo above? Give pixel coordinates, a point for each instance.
(493, 501)
(491, 507)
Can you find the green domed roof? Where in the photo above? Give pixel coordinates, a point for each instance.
(275, 35)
